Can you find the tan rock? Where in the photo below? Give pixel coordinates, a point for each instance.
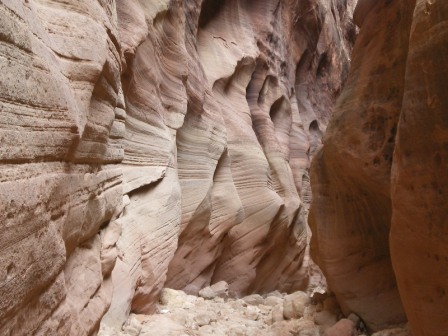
(237, 331)
(277, 313)
(172, 298)
(343, 327)
(258, 132)
(254, 299)
(109, 237)
(161, 325)
(185, 125)
(204, 319)
(273, 301)
(221, 289)
(325, 319)
(132, 327)
(294, 305)
(252, 313)
(207, 293)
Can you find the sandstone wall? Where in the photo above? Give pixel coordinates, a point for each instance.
(151, 143)
(419, 175)
(379, 183)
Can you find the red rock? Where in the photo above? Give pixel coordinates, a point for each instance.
(381, 179)
(419, 190)
(351, 211)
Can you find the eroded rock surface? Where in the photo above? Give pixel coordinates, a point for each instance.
(351, 175)
(60, 71)
(419, 175)
(379, 174)
(157, 142)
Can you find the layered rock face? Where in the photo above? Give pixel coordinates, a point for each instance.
(380, 178)
(175, 135)
(60, 122)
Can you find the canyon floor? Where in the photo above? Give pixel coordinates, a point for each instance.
(274, 314)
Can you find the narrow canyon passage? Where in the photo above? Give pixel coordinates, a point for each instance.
(224, 167)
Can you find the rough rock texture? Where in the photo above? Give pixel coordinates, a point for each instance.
(175, 135)
(243, 222)
(382, 171)
(351, 175)
(419, 175)
(180, 314)
(59, 100)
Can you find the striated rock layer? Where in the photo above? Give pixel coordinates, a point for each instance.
(379, 183)
(59, 186)
(152, 143)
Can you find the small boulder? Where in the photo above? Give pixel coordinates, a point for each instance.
(272, 301)
(277, 313)
(252, 313)
(294, 305)
(254, 299)
(132, 326)
(344, 327)
(308, 330)
(221, 289)
(161, 325)
(237, 305)
(172, 298)
(207, 293)
(325, 319)
(203, 319)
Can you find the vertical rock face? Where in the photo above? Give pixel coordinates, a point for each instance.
(380, 178)
(175, 135)
(59, 100)
(419, 175)
(351, 175)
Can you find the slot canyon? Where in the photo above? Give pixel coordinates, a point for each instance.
(224, 167)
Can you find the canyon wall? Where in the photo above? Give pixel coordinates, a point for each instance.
(418, 238)
(379, 210)
(151, 143)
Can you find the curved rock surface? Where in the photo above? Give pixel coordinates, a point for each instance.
(419, 175)
(351, 210)
(167, 143)
(379, 183)
(152, 143)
